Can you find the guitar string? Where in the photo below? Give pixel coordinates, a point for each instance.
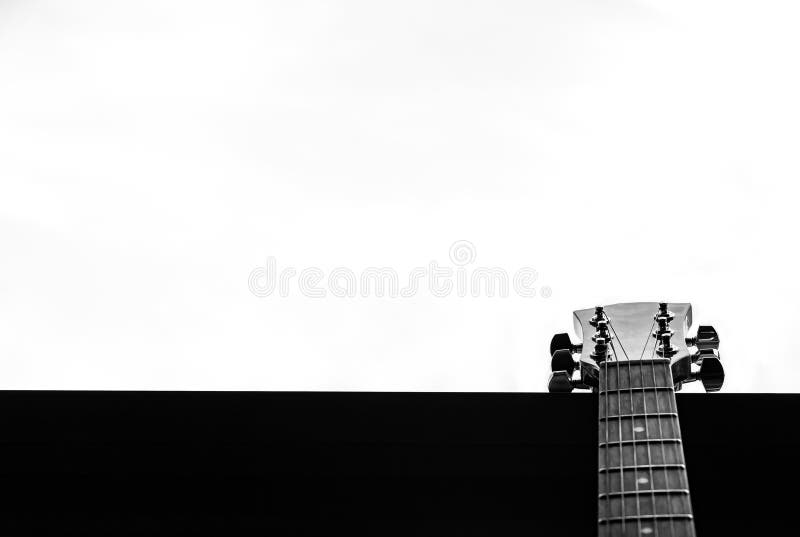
(647, 435)
(647, 426)
(623, 498)
(619, 433)
(647, 338)
(607, 451)
(611, 325)
(661, 436)
(619, 422)
(633, 444)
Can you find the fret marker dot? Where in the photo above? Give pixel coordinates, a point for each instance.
(642, 480)
(638, 429)
(647, 531)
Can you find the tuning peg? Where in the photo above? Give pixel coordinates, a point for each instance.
(563, 342)
(711, 372)
(560, 381)
(563, 361)
(706, 338)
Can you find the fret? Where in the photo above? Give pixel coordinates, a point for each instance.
(640, 441)
(648, 415)
(643, 467)
(643, 491)
(639, 389)
(665, 526)
(645, 504)
(650, 517)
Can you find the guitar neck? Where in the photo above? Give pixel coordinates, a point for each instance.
(642, 482)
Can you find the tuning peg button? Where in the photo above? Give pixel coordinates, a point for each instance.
(711, 372)
(563, 342)
(563, 361)
(706, 338)
(560, 382)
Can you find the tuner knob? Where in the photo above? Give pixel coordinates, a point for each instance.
(706, 338)
(560, 382)
(563, 342)
(563, 361)
(711, 372)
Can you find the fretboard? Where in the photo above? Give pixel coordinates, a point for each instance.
(642, 483)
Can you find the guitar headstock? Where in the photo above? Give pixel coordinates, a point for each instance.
(635, 331)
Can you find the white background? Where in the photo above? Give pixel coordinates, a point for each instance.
(152, 154)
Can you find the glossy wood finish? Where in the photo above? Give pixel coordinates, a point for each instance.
(631, 325)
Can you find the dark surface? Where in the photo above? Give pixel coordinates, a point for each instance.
(125, 463)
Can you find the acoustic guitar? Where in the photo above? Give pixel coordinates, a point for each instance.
(635, 356)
